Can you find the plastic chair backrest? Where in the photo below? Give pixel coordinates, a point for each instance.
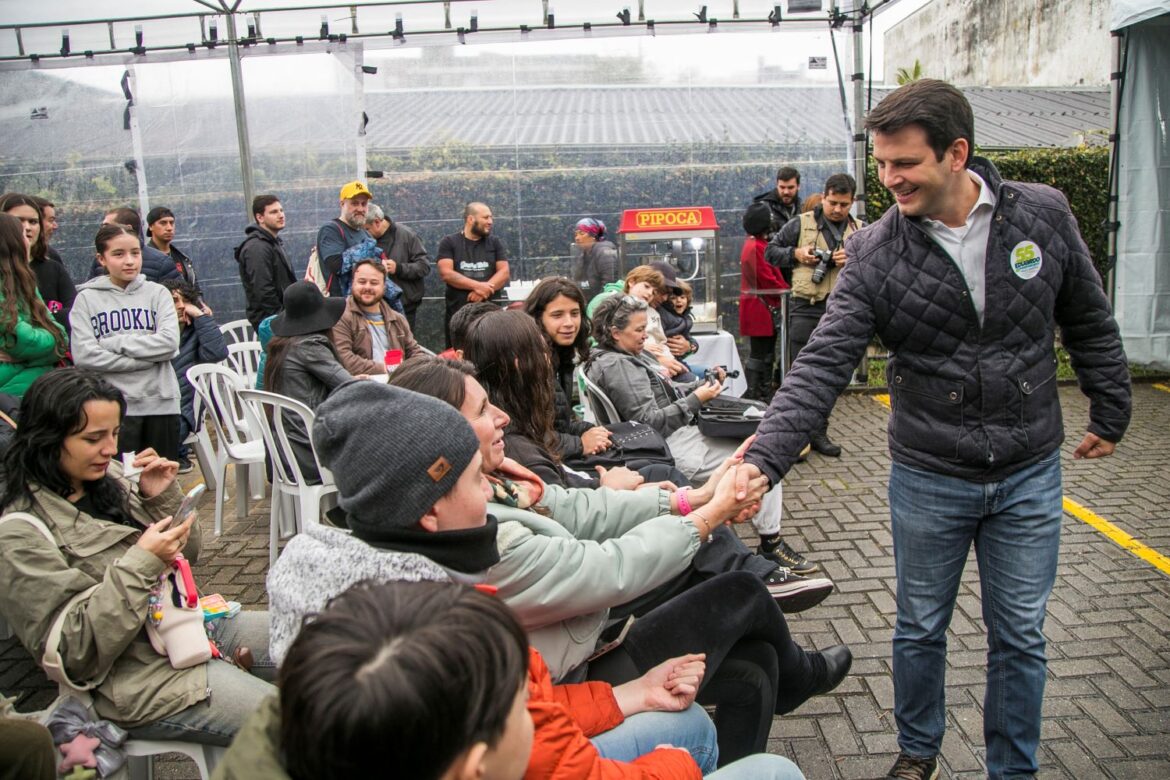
(603, 408)
(218, 387)
(244, 357)
(236, 331)
(269, 411)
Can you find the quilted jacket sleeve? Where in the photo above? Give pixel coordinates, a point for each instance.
(1090, 334)
(821, 371)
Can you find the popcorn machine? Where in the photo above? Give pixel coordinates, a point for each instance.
(687, 239)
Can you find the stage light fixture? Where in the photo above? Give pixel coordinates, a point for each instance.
(624, 15)
(65, 43)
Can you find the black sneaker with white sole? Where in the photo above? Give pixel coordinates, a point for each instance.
(185, 466)
(784, 555)
(795, 593)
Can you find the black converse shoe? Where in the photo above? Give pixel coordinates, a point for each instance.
(795, 593)
(783, 555)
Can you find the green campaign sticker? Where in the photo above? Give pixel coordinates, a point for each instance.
(1026, 259)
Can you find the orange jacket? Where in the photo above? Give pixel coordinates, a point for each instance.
(565, 716)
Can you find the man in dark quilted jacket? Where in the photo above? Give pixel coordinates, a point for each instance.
(966, 282)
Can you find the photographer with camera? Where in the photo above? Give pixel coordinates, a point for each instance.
(812, 246)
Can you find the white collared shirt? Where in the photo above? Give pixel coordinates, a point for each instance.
(967, 244)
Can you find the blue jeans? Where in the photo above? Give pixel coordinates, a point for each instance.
(690, 729)
(235, 694)
(1015, 526)
(761, 766)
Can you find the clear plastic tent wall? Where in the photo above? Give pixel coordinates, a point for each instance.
(544, 131)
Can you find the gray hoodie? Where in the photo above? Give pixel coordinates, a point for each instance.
(129, 335)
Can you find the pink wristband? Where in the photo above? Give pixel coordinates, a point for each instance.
(684, 506)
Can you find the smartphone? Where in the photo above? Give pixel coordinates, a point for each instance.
(189, 505)
(612, 645)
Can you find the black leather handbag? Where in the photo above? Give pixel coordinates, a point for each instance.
(635, 445)
(723, 418)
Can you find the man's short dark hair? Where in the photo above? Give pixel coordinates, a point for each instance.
(157, 213)
(939, 108)
(840, 184)
(43, 202)
(399, 679)
(373, 263)
(190, 292)
(462, 320)
(472, 207)
(128, 217)
(260, 204)
(786, 173)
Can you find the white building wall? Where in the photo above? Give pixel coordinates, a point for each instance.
(996, 43)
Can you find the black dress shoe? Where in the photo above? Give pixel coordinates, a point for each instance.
(820, 442)
(838, 659)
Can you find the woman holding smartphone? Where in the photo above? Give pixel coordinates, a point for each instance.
(119, 536)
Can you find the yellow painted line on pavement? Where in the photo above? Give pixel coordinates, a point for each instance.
(1100, 524)
(1117, 536)
(1162, 387)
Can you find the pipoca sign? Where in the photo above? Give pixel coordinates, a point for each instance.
(672, 219)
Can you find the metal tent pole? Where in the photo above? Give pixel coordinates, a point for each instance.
(241, 109)
(136, 143)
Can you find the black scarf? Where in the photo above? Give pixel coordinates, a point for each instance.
(467, 551)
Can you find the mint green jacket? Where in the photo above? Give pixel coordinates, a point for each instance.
(597, 549)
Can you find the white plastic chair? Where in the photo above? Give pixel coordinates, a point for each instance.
(271, 409)
(244, 358)
(595, 399)
(236, 442)
(236, 331)
(139, 752)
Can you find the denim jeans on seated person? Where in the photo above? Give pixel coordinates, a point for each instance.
(762, 766)
(1014, 525)
(235, 694)
(639, 734)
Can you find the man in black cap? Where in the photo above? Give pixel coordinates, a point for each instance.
(160, 226)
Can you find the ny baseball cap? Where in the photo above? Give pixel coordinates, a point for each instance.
(354, 189)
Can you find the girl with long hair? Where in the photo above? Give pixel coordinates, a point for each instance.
(53, 280)
(558, 307)
(118, 537)
(512, 362)
(31, 341)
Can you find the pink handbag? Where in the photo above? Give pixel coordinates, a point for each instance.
(175, 623)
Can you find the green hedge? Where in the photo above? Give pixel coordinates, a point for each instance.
(1081, 173)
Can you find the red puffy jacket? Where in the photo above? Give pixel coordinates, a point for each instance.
(756, 273)
(565, 716)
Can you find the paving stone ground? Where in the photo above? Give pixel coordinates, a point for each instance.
(1107, 708)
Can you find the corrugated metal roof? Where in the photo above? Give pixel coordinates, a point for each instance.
(590, 115)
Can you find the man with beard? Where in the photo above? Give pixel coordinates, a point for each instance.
(369, 328)
(784, 200)
(338, 235)
(472, 263)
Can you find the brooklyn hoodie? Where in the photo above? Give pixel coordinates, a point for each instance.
(130, 335)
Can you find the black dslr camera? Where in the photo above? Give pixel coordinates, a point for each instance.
(824, 263)
(710, 376)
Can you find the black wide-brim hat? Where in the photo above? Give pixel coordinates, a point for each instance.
(306, 311)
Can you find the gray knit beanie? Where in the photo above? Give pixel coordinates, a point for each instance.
(393, 452)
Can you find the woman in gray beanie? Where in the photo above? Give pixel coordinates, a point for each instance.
(423, 517)
(575, 563)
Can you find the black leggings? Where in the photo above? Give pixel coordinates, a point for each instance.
(754, 669)
(762, 349)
